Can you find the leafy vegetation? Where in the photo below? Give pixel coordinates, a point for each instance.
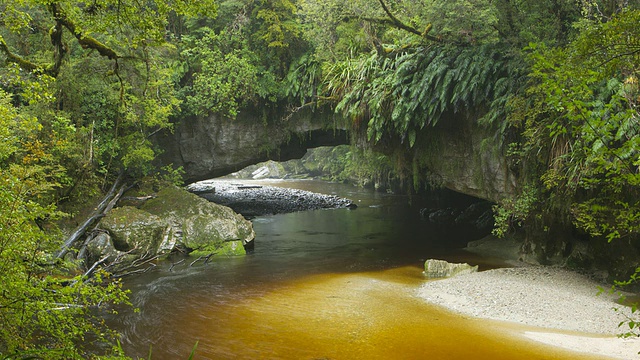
(580, 126)
(81, 90)
(46, 311)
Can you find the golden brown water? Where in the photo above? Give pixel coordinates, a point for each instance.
(343, 316)
(321, 285)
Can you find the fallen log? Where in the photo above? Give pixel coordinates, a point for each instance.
(100, 211)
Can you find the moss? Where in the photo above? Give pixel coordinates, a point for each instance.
(181, 204)
(227, 248)
(203, 223)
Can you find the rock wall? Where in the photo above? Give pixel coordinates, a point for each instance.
(458, 153)
(466, 157)
(208, 147)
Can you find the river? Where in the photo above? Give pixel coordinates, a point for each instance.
(324, 284)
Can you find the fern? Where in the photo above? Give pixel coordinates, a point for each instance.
(402, 94)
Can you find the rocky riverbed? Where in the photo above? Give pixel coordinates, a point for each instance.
(250, 198)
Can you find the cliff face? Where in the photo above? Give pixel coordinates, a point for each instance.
(466, 157)
(208, 147)
(459, 154)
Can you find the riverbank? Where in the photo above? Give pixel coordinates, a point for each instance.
(563, 304)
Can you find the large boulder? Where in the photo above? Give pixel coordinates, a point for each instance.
(201, 225)
(173, 219)
(136, 231)
(99, 247)
(435, 269)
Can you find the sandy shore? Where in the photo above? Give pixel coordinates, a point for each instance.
(564, 305)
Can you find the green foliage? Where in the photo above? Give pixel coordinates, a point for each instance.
(452, 20)
(225, 79)
(45, 311)
(581, 129)
(631, 324)
(335, 28)
(521, 22)
(511, 214)
(115, 97)
(279, 27)
(403, 94)
(303, 80)
(590, 131)
(83, 87)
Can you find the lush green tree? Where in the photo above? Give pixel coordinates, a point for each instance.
(124, 45)
(580, 148)
(45, 310)
(82, 87)
(469, 21)
(523, 21)
(582, 110)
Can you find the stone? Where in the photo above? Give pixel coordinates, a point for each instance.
(434, 269)
(227, 248)
(173, 219)
(210, 146)
(199, 224)
(100, 246)
(136, 231)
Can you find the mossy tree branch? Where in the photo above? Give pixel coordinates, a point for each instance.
(61, 49)
(17, 59)
(85, 41)
(392, 20)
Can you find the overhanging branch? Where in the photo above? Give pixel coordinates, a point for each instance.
(85, 41)
(16, 59)
(391, 20)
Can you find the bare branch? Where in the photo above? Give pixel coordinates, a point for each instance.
(97, 214)
(175, 263)
(94, 266)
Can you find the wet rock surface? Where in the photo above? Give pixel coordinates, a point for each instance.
(435, 269)
(250, 199)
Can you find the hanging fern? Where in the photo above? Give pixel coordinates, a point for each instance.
(403, 94)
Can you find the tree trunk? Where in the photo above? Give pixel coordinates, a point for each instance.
(100, 211)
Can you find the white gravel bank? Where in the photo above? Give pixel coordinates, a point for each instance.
(546, 297)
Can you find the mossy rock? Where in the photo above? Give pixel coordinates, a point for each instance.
(204, 226)
(135, 230)
(227, 248)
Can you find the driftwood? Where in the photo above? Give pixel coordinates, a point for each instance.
(95, 265)
(206, 259)
(107, 203)
(138, 198)
(175, 263)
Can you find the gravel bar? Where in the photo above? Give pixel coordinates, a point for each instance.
(541, 296)
(251, 199)
(563, 304)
